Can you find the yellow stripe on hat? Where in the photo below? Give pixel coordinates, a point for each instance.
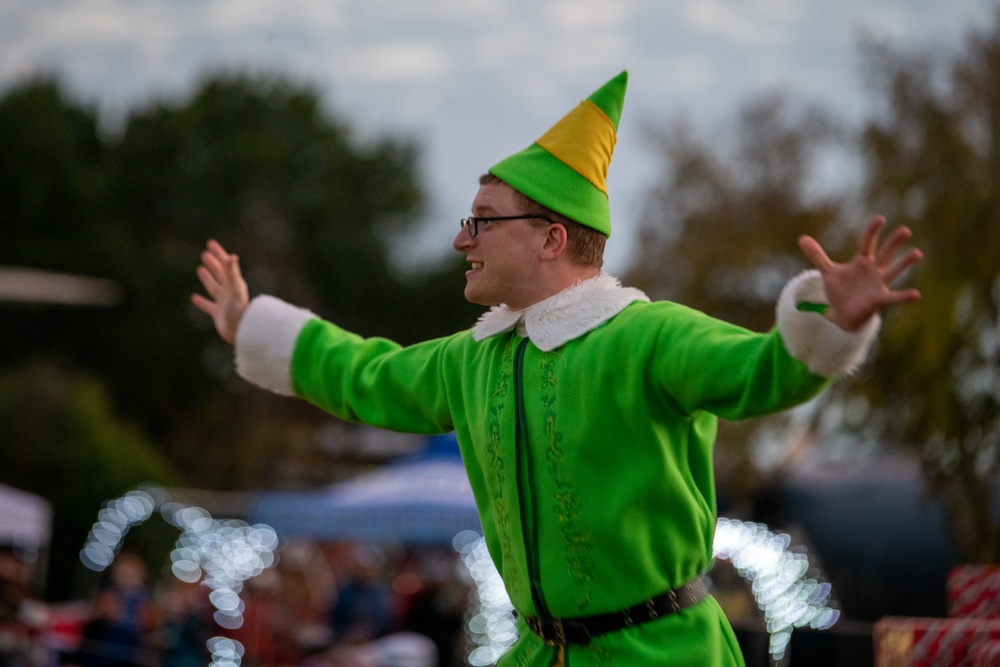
(584, 140)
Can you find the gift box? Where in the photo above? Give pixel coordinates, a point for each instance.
(974, 591)
(931, 642)
(985, 654)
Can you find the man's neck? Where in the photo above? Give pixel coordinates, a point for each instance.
(556, 284)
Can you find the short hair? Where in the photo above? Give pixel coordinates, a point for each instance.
(584, 245)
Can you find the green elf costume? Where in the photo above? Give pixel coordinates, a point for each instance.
(586, 422)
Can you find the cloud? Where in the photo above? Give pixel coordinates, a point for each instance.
(397, 62)
(688, 71)
(756, 22)
(474, 79)
(586, 15)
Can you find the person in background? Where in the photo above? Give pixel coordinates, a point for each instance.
(186, 626)
(118, 634)
(438, 608)
(360, 612)
(257, 633)
(21, 616)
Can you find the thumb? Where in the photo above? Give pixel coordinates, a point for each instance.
(814, 253)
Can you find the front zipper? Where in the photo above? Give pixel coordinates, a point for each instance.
(525, 485)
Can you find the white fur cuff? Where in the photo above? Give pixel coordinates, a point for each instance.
(265, 341)
(821, 345)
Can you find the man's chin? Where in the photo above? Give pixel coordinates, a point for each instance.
(472, 297)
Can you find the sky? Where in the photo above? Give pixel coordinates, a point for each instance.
(473, 81)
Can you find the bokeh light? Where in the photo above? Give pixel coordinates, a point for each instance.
(788, 589)
(219, 554)
(489, 622)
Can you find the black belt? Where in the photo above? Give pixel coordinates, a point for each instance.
(580, 630)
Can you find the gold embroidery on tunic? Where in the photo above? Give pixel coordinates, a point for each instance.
(511, 575)
(567, 502)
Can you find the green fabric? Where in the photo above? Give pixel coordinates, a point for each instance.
(808, 307)
(617, 456)
(610, 98)
(539, 175)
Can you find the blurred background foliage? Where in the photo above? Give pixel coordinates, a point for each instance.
(96, 400)
(719, 232)
(250, 161)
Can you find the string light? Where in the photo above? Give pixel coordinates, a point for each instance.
(787, 588)
(490, 625)
(113, 523)
(224, 554)
(220, 554)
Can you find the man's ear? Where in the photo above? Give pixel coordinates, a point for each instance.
(555, 241)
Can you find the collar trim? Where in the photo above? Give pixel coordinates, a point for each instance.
(571, 313)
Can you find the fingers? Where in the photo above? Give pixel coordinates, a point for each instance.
(884, 255)
(218, 273)
(216, 249)
(204, 305)
(815, 254)
(902, 264)
(869, 250)
(208, 280)
(902, 296)
(868, 242)
(233, 269)
(219, 269)
(892, 245)
(215, 260)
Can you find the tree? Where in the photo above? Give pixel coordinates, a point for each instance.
(255, 162)
(63, 441)
(933, 155)
(929, 157)
(719, 231)
(259, 164)
(51, 178)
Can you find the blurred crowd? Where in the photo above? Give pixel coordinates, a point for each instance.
(321, 605)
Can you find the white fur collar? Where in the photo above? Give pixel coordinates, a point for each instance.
(564, 316)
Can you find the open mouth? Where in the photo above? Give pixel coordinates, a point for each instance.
(476, 265)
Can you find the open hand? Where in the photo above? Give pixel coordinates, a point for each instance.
(221, 277)
(861, 287)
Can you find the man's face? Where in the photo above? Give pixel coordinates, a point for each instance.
(504, 254)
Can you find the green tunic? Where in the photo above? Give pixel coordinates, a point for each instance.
(591, 463)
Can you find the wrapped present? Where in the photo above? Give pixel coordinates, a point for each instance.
(985, 654)
(931, 642)
(974, 591)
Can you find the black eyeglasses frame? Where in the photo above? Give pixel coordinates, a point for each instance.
(472, 222)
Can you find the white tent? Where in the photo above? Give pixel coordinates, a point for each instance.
(25, 519)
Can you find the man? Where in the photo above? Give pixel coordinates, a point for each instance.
(585, 413)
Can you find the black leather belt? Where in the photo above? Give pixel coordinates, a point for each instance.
(580, 630)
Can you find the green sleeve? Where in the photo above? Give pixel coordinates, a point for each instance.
(706, 364)
(373, 380)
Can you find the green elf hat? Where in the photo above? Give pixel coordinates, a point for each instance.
(566, 169)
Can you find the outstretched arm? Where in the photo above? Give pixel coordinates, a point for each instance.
(220, 275)
(860, 288)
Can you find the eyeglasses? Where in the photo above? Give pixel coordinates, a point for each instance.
(472, 223)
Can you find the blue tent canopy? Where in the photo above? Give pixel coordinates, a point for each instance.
(420, 499)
